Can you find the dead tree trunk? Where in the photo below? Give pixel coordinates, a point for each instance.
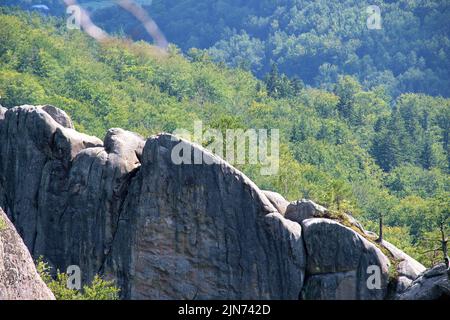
(380, 232)
(444, 242)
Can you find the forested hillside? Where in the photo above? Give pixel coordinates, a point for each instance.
(351, 149)
(315, 41)
(318, 40)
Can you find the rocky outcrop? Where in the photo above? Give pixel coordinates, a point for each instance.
(433, 284)
(340, 263)
(19, 279)
(335, 252)
(122, 207)
(203, 231)
(304, 209)
(59, 116)
(34, 146)
(277, 200)
(407, 269)
(80, 208)
(125, 210)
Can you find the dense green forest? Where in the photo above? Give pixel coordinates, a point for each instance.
(315, 41)
(363, 151)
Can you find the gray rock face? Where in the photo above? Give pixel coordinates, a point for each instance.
(277, 200)
(31, 143)
(19, 279)
(160, 230)
(333, 286)
(61, 188)
(59, 116)
(339, 262)
(85, 202)
(203, 231)
(430, 285)
(2, 112)
(304, 209)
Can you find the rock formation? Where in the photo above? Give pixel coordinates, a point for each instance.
(338, 263)
(203, 231)
(407, 269)
(19, 279)
(432, 284)
(277, 200)
(339, 257)
(304, 209)
(123, 208)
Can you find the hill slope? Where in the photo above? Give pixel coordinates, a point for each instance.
(19, 279)
(164, 230)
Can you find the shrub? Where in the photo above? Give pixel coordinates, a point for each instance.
(99, 289)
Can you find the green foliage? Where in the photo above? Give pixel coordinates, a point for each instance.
(314, 40)
(279, 86)
(338, 192)
(18, 88)
(99, 289)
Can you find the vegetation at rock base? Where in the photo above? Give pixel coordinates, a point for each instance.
(315, 41)
(2, 224)
(348, 146)
(99, 289)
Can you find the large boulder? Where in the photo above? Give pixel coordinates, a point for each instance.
(277, 200)
(197, 231)
(63, 189)
(432, 284)
(34, 146)
(340, 263)
(79, 208)
(19, 279)
(408, 269)
(128, 209)
(304, 209)
(2, 112)
(59, 116)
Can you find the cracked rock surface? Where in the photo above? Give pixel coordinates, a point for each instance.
(432, 284)
(19, 279)
(123, 209)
